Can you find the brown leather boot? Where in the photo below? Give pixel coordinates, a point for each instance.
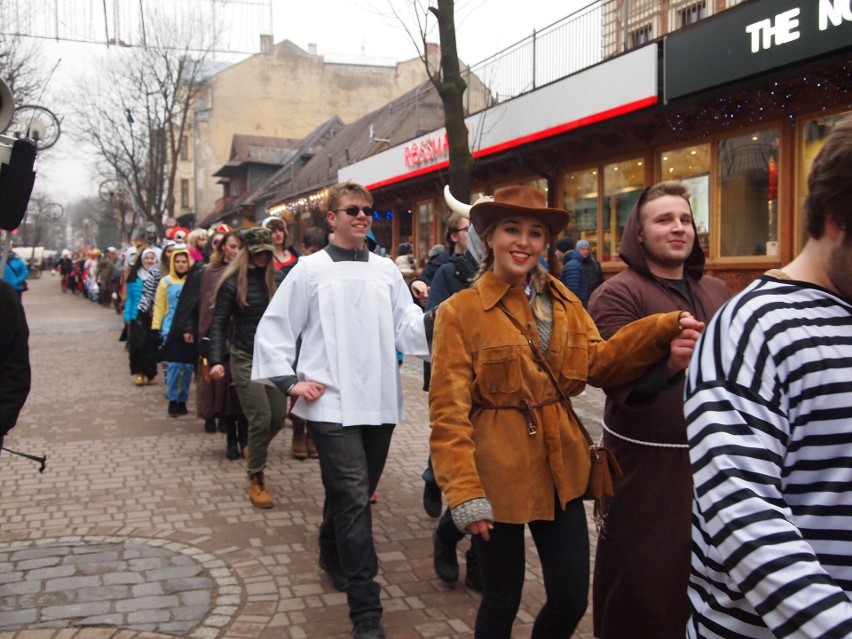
(299, 447)
(259, 496)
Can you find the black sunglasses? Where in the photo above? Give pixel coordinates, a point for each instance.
(353, 210)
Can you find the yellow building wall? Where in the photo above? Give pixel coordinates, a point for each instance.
(285, 93)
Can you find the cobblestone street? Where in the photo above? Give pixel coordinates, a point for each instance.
(140, 528)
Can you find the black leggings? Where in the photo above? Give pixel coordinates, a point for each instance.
(563, 548)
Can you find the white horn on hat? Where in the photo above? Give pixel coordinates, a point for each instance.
(455, 206)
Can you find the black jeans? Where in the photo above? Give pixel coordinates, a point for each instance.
(563, 548)
(351, 462)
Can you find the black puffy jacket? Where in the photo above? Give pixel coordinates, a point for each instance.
(245, 318)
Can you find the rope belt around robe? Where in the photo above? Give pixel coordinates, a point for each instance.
(639, 441)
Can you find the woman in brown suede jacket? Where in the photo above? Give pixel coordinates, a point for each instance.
(506, 451)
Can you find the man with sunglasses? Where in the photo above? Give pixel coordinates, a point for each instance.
(352, 310)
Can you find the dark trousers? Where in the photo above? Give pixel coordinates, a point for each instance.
(563, 548)
(446, 530)
(142, 344)
(351, 462)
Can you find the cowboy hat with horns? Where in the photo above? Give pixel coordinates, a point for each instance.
(521, 200)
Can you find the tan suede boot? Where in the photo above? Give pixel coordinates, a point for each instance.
(259, 496)
(299, 447)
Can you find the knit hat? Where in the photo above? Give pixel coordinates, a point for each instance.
(564, 244)
(583, 244)
(258, 239)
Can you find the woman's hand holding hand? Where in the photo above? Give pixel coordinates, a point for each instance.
(217, 371)
(481, 527)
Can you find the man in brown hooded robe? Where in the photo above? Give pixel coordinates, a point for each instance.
(643, 553)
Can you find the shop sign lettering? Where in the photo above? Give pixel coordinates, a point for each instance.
(426, 150)
(784, 27)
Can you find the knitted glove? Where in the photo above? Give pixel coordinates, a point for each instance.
(470, 511)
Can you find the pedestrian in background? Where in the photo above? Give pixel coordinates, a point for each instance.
(438, 256)
(284, 258)
(196, 242)
(217, 399)
(563, 246)
(242, 296)
(16, 272)
(142, 342)
(454, 276)
(175, 351)
(639, 591)
(507, 451)
(581, 272)
(769, 424)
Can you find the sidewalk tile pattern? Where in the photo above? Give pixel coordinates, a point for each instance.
(141, 529)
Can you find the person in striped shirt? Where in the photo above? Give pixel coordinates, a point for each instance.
(769, 423)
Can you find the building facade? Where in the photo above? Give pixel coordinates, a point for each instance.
(282, 92)
(735, 104)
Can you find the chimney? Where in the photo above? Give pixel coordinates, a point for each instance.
(433, 57)
(265, 44)
(312, 48)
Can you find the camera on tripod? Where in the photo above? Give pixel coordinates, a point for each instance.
(17, 158)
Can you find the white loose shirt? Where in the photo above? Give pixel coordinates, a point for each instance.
(352, 317)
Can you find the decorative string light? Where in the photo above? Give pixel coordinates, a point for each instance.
(830, 88)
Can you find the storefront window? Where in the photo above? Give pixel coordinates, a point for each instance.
(581, 202)
(623, 184)
(425, 219)
(814, 133)
(404, 227)
(748, 175)
(691, 165)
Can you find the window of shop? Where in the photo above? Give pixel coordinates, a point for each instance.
(580, 189)
(814, 133)
(748, 194)
(404, 226)
(622, 185)
(425, 223)
(691, 165)
(383, 230)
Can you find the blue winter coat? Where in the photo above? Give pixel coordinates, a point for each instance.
(133, 293)
(16, 272)
(574, 277)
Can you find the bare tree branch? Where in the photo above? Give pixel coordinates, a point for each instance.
(136, 126)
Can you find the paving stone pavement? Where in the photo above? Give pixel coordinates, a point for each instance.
(139, 528)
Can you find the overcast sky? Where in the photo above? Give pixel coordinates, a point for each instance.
(343, 30)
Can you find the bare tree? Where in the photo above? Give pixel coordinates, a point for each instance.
(136, 123)
(20, 68)
(448, 81)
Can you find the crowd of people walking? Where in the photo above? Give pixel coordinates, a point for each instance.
(315, 334)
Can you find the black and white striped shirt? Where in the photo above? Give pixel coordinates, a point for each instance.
(769, 414)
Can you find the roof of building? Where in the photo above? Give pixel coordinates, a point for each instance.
(257, 149)
(412, 114)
